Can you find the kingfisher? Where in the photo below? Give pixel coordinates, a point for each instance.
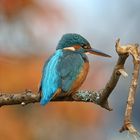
(66, 70)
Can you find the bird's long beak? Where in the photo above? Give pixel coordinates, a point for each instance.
(97, 52)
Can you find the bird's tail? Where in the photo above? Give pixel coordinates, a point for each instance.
(44, 101)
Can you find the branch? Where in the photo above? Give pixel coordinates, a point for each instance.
(132, 91)
(98, 97)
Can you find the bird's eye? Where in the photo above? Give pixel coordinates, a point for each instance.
(84, 46)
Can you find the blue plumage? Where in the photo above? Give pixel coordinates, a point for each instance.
(50, 79)
(60, 72)
(69, 40)
(67, 68)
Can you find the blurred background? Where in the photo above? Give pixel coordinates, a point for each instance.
(29, 33)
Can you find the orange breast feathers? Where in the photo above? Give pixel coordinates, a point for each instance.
(80, 78)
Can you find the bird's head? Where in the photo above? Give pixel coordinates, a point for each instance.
(76, 42)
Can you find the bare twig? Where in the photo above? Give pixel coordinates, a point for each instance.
(133, 50)
(29, 97)
(114, 77)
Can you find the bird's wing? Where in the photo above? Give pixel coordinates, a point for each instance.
(70, 68)
(50, 78)
(43, 73)
(59, 73)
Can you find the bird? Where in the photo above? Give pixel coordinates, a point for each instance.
(66, 70)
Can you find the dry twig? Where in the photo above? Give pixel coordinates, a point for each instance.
(133, 50)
